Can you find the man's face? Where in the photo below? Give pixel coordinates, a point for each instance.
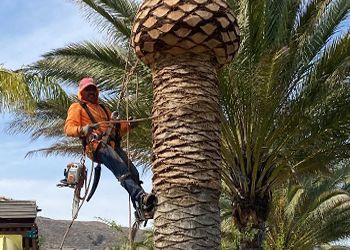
(90, 94)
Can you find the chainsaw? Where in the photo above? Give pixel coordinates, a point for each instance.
(75, 177)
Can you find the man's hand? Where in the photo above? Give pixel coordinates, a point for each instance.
(115, 116)
(133, 124)
(87, 129)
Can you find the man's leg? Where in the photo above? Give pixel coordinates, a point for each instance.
(107, 156)
(149, 200)
(131, 166)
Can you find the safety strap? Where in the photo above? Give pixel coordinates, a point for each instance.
(92, 118)
(123, 177)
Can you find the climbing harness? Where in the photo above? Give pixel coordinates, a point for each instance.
(93, 136)
(76, 173)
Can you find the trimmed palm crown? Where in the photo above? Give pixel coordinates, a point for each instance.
(177, 27)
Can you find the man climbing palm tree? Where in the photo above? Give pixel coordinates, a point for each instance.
(88, 120)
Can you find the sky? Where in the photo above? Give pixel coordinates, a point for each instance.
(28, 30)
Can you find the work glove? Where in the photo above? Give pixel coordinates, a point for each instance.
(132, 123)
(115, 116)
(87, 129)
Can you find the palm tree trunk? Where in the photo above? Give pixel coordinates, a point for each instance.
(184, 42)
(255, 240)
(250, 221)
(186, 146)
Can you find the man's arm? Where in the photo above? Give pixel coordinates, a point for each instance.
(73, 124)
(125, 127)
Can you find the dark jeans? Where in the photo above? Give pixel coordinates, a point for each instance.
(117, 161)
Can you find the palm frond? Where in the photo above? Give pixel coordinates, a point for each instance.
(14, 92)
(280, 17)
(64, 147)
(105, 63)
(325, 27)
(114, 17)
(318, 201)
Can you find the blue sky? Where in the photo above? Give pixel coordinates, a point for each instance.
(28, 30)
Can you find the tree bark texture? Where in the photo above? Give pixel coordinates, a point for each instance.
(186, 147)
(184, 42)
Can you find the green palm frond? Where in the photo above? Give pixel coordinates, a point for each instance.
(280, 20)
(308, 14)
(333, 65)
(113, 17)
(312, 42)
(45, 89)
(64, 147)
(47, 120)
(106, 63)
(14, 92)
(320, 212)
(106, 54)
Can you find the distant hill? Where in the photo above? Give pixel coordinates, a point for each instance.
(83, 235)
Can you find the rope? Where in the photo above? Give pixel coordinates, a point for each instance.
(130, 227)
(126, 77)
(142, 119)
(124, 89)
(81, 204)
(128, 152)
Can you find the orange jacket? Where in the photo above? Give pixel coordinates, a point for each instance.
(77, 118)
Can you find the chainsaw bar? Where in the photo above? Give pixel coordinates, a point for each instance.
(77, 190)
(75, 205)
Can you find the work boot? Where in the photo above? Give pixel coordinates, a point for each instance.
(146, 206)
(149, 201)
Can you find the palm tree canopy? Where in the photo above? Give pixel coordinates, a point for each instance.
(286, 99)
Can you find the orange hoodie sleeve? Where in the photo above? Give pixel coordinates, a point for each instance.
(124, 128)
(73, 122)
